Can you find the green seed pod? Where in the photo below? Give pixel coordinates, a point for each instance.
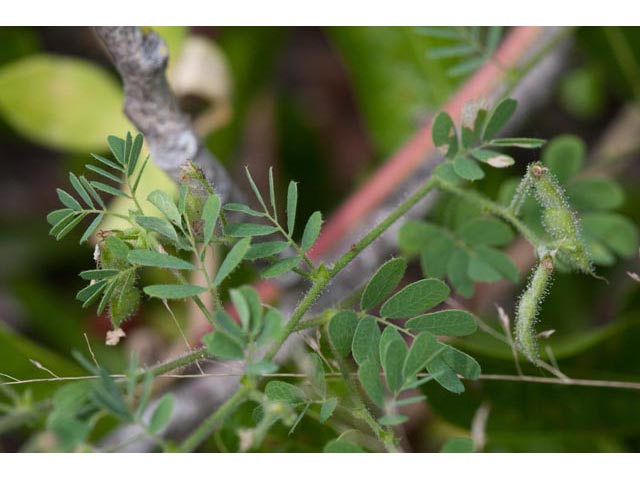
(559, 220)
(527, 310)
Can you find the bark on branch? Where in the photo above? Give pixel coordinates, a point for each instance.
(141, 59)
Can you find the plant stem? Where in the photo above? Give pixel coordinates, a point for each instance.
(321, 280)
(205, 428)
(385, 437)
(403, 208)
(493, 207)
(179, 362)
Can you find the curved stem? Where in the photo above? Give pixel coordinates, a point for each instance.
(493, 207)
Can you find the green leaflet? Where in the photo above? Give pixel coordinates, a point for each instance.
(481, 271)
(423, 350)
(485, 231)
(249, 229)
(435, 256)
(393, 359)
(158, 225)
(266, 249)
(277, 390)
(271, 328)
(467, 168)
(173, 291)
(415, 298)
(493, 158)
(162, 414)
(150, 258)
(67, 200)
(444, 375)
(232, 260)
(311, 231)
(239, 207)
(365, 341)
(414, 235)
(617, 232)
(465, 254)
(281, 266)
(595, 193)
(163, 202)
(327, 409)
(383, 282)
(292, 202)
(455, 323)
(461, 363)
(369, 377)
(564, 156)
(223, 346)
(242, 307)
(499, 118)
(210, 213)
(341, 330)
(443, 132)
(389, 334)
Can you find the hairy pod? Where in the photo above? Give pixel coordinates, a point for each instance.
(528, 306)
(559, 220)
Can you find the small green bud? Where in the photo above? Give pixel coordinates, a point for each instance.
(198, 190)
(559, 220)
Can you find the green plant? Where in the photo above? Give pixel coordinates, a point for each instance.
(397, 343)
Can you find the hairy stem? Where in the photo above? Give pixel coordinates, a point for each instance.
(321, 280)
(493, 207)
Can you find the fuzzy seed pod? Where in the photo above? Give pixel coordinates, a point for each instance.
(559, 220)
(527, 310)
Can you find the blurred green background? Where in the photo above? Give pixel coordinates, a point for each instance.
(325, 106)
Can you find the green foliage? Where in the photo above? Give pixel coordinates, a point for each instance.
(342, 328)
(395, 340)
(162, 414)
(383, 282)
(466, 48)
(476, 138)
(464, 255)
(35, 89)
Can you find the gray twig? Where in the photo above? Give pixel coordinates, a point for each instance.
(141, 59)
